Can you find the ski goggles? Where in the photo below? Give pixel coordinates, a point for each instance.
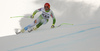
(46, 7)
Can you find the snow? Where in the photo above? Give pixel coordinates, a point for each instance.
(84, 35)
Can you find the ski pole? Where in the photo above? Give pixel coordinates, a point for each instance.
(63, 24)
(66, 24)
(20, 17)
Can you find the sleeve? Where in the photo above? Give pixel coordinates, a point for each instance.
(53, 17)
(38, 10)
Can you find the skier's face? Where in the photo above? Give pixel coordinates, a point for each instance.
(46, 8)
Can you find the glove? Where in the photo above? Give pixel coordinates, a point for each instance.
(52, 26)
(32, 16)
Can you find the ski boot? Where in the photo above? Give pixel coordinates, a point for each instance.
(22, 31)
(35, 28)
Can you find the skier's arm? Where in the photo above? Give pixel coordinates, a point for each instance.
(54, 19)
(38, 10)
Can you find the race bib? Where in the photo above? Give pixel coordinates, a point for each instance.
(46, 15)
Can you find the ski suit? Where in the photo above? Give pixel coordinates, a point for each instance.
(42, 19)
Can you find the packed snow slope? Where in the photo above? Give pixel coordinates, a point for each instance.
(84, 35)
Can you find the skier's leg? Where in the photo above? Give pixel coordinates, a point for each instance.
(43, 21)
(38, 25)
(30, 25)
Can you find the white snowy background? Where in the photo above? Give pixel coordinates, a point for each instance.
(84, 35)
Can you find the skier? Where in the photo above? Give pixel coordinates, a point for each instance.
(42, 19)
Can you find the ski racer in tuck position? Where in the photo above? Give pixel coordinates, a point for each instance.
(42, 19)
